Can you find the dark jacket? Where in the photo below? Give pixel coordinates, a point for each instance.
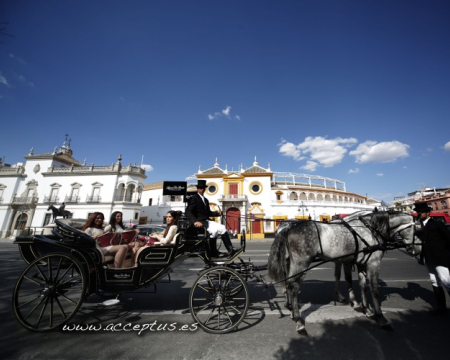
(197, 210)
(436, 243)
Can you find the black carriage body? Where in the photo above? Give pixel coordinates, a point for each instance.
(66, 267)
(153, 261)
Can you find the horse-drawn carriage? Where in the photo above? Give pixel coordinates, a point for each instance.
(66, 268)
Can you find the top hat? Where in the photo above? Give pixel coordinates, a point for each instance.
(201, 183)
(422, 207)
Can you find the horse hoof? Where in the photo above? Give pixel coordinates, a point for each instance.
(370, 315)
(343, 301)
(302, 331)
(358, 308)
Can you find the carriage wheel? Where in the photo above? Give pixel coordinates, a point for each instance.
(219, 300)
(49, 292)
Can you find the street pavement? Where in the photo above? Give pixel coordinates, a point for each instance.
(334, 331)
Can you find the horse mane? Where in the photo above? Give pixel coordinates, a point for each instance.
(379, 222)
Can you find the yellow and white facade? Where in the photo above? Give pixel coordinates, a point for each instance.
(256, 199)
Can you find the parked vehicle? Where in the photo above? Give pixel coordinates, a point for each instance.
(147, 229)
(440, 216)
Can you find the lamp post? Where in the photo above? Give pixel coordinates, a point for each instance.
(302, 207)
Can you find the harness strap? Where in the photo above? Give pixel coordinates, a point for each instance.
(320, 240)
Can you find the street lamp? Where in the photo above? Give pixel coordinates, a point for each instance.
(302, 207)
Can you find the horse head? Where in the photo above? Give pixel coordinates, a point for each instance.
(397, 226)
(49, 207)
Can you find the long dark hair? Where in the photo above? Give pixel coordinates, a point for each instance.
(91, 221)
(113, 222)
(175, 215)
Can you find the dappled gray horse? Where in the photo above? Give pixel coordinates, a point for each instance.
(362, 239)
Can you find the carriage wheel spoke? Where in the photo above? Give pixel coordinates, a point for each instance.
(67, 298)
(32, 310)
(34, 281)
(67, 270)
(42, 313)
(61, 308)
(40, 272)
(209, 317)
(30, 301)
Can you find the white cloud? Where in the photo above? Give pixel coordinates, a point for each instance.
(224, 113)
(289, 149)
(371, 151)
(320, 151)
(3, 80)
(380, 174)
(147, 167)
(447, 146)
(353, 171)
(310, 166)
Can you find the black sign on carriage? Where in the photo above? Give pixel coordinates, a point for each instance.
(174, 188)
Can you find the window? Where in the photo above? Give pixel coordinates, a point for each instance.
(150, 201)
(255, 188)
(212, 189)
(47, 219)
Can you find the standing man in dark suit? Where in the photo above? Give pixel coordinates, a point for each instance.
(199, 212)
(436, 247)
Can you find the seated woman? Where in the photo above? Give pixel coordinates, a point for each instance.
(94, 228)
(171, 229)
(116, 226)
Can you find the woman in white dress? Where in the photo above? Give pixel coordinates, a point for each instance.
(94, 228)
(171, 229)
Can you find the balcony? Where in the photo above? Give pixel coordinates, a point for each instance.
(72, 199)
(233, 197)
(23, 200)
(51, 199)
(129, 199)
(93, 199)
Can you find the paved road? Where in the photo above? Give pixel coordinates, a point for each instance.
(335, 331)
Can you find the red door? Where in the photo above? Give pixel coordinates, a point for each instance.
(233, 189)
(233, 216)
(256, 227)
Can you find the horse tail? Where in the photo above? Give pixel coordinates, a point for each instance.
(278, 262)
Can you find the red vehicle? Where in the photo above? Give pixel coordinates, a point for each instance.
(440, 216)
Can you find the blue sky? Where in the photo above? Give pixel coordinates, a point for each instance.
(353, 90)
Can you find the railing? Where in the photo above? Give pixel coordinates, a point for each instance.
(92, 199)
(317, 203)
(127, 199)
(233, 197)
(71, 199)
(24, 200)
(51, 199)
(130, 169)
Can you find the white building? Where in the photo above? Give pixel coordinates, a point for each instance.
(256, 199)
(27, 191)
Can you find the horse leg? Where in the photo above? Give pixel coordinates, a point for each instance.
(337, 278)
(362, 284)
(293, 289)
(287, 299)
(348, 278)
(372, 274)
